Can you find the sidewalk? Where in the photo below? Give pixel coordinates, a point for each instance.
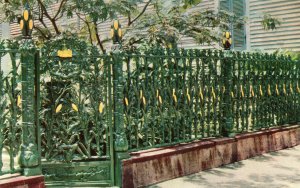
(273, 170)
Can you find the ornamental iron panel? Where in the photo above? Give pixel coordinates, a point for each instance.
(76, 113)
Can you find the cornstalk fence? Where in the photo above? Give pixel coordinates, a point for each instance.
(156, 98)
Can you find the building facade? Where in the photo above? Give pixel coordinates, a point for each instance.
(286, 36)
(251, 36)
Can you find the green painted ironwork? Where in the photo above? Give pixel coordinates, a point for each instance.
(95, 108)
(29, 158)
(10, 112)
(171, 96)
(77, 113)
(29, 154)
(175, 96)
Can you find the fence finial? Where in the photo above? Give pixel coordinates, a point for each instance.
(116, 32)
(26, 22)
(227, 41)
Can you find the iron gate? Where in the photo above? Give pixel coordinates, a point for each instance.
(76, 116)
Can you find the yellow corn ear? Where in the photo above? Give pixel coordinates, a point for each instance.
(112, 32)
(26, 15)
(30, 24)
(260, 90)
(189, 97)
(174, 98)
(75, 108)
(291, 88)
(101, 107)
(242, 91)
(19, 101)
(116, 24)
(269, 90)
(252, 91)
(58, 108)
(277, 91)
(141, 93)
(284, 90)
(157, 93)
(160, 99)
(21, 24)
(126, 101)
(232, 94)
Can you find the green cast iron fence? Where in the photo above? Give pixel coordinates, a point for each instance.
(171, 97)
(175, 96)
(265, 91)
(93, 105)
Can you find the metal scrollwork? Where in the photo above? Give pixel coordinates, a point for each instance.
(74, 124)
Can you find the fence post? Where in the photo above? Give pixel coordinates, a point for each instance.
(120, 142)
(29, 157)
(227, 75)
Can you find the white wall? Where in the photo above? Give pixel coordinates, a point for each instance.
(5, 61)
(287, 36)
(4, 31)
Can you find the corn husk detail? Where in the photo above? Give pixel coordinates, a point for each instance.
(101, 107)
(58, 108)
(75, 108)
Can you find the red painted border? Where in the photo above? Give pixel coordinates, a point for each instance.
(170, 162)
(146, 155)
(30, 182)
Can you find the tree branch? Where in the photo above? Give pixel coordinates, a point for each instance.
(62, 4)
(42, 33)
(44, 9)
(129, 18)
(41, 18)
(87, 23)
(98, 39)
(90, 32)
(52, 20)
(140, 14)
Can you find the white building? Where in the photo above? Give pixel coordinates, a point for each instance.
(251, 37)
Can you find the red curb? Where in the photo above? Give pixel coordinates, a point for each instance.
(171, 162)
(23, 181)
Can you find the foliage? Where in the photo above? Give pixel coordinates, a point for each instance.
(295, 56)
(263, 91)
(269, 22)
(151, 22)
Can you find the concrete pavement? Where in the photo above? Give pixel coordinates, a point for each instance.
(279, 169)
